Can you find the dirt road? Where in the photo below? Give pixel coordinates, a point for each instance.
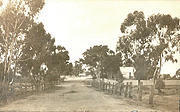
(73, 96)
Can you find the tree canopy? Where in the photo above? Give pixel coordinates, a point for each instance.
(102, 60)
(155, 38)
(26, 48)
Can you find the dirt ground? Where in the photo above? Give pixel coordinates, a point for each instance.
(166, 102)
(75, 96)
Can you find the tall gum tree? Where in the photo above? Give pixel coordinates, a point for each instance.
(156, 38)
(16, 18)
(40, 50)
(37, 49)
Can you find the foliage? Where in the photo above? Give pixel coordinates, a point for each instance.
(91, 71)
(102, 61)
(154, 38)
(44, 61)
(177, 75)
(26, 48)
(15, 20)
(77, 69)
(141, 66)
(111, 65)
(94, 57)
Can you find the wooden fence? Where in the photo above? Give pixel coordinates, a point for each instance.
(168, 83)
(128, 88)
(150, 82)
(113, 88)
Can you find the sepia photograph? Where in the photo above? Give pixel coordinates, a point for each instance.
(89, 55)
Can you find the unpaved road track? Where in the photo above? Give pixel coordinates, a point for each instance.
(73, 96)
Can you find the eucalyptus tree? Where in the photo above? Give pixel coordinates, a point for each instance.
(41, 59)
(77, 68)
(112, 64)
(155, 38)
(94, 57)
(59, 63)
(16, 19)
(37, 49)
(177, 75)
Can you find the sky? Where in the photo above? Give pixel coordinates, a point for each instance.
(80, 24)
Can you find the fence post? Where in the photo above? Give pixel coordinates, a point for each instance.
(106, 86)
(140, 91)
(25, 87)
(151, 94)
(109, 87)
(121, 88)
(126, 90)
(99, 85)
(112, 90)
(116, 86)
(32, 87)
(130, 90)
(96, 84)
(92, 83)
(103, 87)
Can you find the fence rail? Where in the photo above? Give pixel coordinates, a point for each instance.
(130, 89)
(113, 87)
(168, 83)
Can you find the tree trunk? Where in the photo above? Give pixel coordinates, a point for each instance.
(151, 96)
(160, 63)
(4, 92)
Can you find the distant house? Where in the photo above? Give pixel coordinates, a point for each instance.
(82, 75)
(128, 72)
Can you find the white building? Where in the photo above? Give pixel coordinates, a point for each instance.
(82, 75)
(128, 72)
